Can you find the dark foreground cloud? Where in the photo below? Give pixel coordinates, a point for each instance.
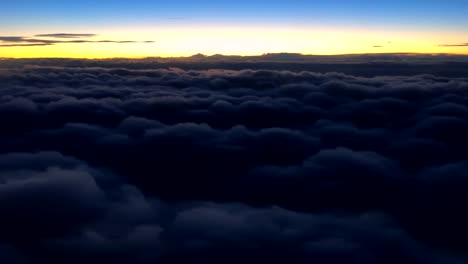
(168, 165)
(56, 209)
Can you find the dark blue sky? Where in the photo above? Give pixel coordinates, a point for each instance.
(430, 13)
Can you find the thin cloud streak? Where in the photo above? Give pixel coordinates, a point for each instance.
(26, 45)
(454, 45)
(66, 35)
(16, 39)
(21, 41)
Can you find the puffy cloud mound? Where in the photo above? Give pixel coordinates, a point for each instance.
(129, 165)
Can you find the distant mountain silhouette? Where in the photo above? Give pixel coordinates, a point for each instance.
(345, 58)
(198, 56)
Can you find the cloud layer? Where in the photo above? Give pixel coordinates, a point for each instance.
(169, 165)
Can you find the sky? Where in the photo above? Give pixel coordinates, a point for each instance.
(142, 28)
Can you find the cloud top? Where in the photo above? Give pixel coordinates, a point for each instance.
(128, 163)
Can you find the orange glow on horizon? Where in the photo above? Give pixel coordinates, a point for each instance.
(186, 41)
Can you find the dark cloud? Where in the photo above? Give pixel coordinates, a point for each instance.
(125, 41)
(365, 65)
(26, 45)
(66, 35)
(17, 41)
(63, 199)
(378, 46)
(11, 39)
(128, 163)
(20, 40)
(25, 40)
(454, 45)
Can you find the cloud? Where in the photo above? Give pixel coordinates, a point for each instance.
(26, 45)
(11, 39)
(66, 35)
(23, 42)
(135, 161)
(378, 46)
(19, 41)
(123, 42)
(72, 212)
(454, 45)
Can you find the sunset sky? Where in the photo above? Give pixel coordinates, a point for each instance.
(141, 28)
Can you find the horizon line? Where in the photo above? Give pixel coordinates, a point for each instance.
(247, 56)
